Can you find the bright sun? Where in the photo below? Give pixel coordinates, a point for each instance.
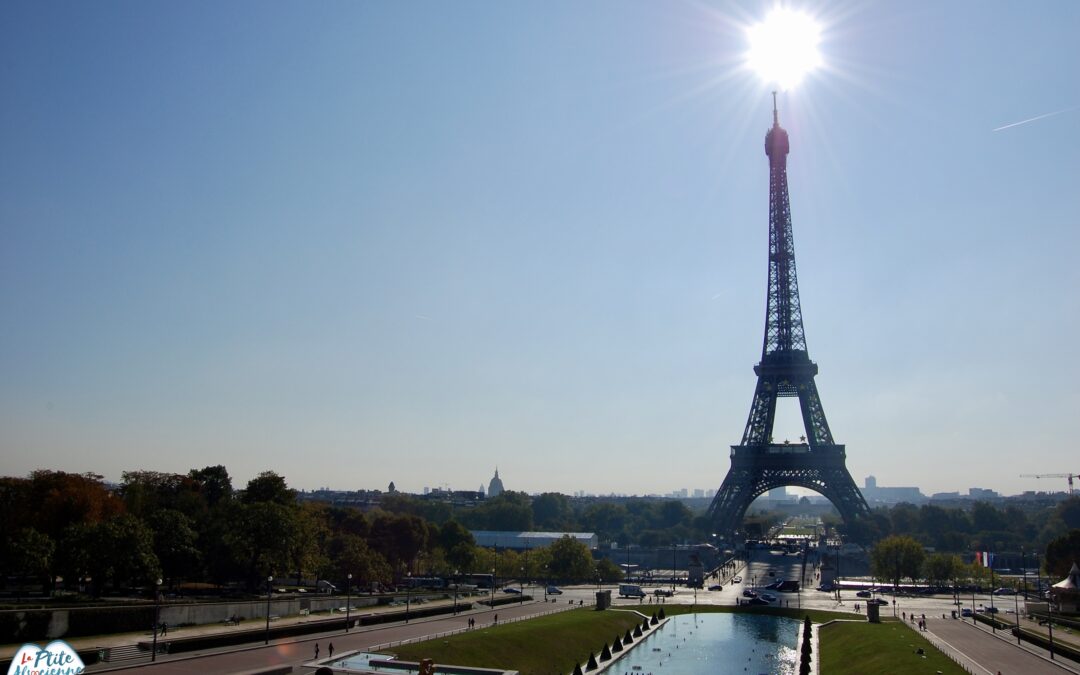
(784, 47)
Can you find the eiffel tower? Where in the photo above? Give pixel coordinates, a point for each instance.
(757, 464)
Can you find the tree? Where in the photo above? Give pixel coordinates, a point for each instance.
(986, 518)
(268, 487)
(399, 538)
(175, 544)
(352, 555)
(214, 482)
(457, 544)
(259, 538)
(29, 553)
(551, 511)
(1061, 553)
(942, 568)
(1069, 512)
(117, 551)
(571, 560)
(307, 549)
(63, 499)
(896, 557)
(609, 572)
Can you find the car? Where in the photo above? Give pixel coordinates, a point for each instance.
(1005, 591)
(992, 610)
(716, 587)
(553, 590)
(757, 601)
(877, 601)
(747, 593)
(966, 612)
(768, 597)
(864, 594)
(511, 589)
(736, 579)
(772, 573)
(826, 587)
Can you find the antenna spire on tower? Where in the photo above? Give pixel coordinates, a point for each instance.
(775, 116)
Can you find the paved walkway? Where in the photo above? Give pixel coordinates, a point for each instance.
(300, 650)
(983, 652)
(125, 639)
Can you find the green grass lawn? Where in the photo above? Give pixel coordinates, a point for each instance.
(549, 645)
(880, 648)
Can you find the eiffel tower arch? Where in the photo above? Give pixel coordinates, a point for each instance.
(785, 370)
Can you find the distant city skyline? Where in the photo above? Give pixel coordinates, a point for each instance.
(371, 242)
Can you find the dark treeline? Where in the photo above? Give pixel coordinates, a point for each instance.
(196, 527)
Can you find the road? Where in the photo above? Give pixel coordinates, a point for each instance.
(298, 651)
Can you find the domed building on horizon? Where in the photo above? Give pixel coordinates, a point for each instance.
(495, 487)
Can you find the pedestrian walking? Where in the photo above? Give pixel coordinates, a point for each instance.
(330, 649)
(316, 650)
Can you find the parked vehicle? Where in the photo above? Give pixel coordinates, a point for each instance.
(511, 589)
(554, 590)
(864, 594)
(748, 593)
(630, 591)
(716, 587)
(736, 579)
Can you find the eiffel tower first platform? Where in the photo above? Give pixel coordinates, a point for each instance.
(757, 464)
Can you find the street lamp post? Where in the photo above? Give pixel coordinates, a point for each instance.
(157, 618)
(408, 594)
(521, 587)
(456, 584)
(673, 567)
(348, 599)
(993, 617)
(493, 587)
(1050, 621)
(973, 622)
(269, 588)
(1016, 613)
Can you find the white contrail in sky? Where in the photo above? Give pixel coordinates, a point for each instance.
(1049, 114)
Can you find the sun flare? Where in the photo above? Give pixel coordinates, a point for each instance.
(784, 47)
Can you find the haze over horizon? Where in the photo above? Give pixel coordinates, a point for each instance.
(363, 243)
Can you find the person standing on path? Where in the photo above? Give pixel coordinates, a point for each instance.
(330, 649)
(316, 650)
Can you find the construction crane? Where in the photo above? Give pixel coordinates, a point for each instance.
(1070, 476)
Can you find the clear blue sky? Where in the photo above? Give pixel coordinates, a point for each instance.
(358, 242)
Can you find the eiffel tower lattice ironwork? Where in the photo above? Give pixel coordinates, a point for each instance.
(757, 464)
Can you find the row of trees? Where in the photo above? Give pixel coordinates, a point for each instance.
(983, 527)
(196, 527)
(899, 557)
